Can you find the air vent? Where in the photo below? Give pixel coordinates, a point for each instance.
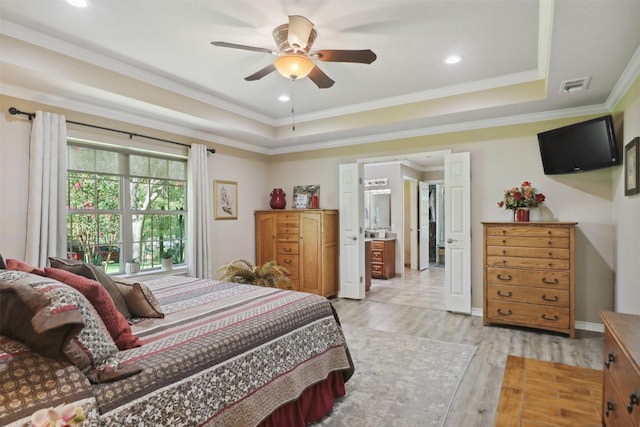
(575, 85)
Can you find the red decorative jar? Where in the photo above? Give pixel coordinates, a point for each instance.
(521, 215)
(278, 200)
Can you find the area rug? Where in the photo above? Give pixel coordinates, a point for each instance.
(540, 393)
(400, 380)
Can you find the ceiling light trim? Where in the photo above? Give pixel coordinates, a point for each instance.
(90, 57)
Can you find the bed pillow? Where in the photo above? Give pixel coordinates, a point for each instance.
(3, 266)
(139, 299)
(28, 316)
(14, 264)
(99, 298)
(91, 350)
(94, 273)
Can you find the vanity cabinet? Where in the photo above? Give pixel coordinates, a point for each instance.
(621, 391)
(305, 242)
(529, 275)
(383, 258)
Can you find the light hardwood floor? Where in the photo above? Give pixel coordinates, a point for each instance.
(477, 398)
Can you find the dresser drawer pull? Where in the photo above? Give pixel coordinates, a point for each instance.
(554, 318)
(634, 399)
(610, 407)
(287, 249)
(611, 357)
(508, 294)
(547, 282)
(555, 298)
(287, 261)
(504, 313)
(499, 276)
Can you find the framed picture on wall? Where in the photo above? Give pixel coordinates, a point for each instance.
(631, 161)
(225, 199)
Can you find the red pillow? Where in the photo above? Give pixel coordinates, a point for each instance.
(115, 322)
(14, 264)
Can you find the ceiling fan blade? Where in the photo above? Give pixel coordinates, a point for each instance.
(243, 47)
(360, 56)
(299, 31)
(320, 78)
(260, 74)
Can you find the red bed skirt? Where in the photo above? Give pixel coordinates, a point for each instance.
(314, 403)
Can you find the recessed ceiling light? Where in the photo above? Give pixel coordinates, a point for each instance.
(453, 59)
(79, 3)
(283, 98)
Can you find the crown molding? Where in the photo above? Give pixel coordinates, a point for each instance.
(628, 77)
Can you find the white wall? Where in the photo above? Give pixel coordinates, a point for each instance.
(627, 219)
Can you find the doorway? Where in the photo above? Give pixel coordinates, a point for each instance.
(456, 179)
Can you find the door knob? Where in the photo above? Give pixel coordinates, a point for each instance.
(354, 238)
(450, 240)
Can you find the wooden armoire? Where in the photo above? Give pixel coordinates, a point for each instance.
(305, 242)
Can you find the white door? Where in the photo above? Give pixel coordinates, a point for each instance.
(457, 229)
(351, 232)
(423, 244)
(413, 224)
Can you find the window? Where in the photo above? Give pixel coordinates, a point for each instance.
(125, 205)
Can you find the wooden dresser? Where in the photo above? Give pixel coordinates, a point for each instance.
(383, 259)
(621, 393)
(305, 242)
(529, 275)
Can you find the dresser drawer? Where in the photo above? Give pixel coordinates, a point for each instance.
(528, 231)
(531, 242)
(614, 411)
(377, 256)
(552, 264)
(538, 278)
(287, 248)
(287, 261)
(622, 374)
(377, 270)
(377, 244)
(528, 314)
(548, 253)
(528, 295)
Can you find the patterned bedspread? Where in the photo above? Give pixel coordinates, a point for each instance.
(225, 354)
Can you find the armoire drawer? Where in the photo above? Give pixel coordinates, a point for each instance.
(287, 261)
(529, 295)
(287, 248)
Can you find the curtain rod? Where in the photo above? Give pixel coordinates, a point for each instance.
(13, 111)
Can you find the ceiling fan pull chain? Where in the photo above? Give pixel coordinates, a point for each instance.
(293, 111)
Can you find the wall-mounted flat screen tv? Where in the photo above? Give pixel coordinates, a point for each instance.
(579, 147)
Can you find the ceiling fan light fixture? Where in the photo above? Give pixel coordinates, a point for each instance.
(294, 66)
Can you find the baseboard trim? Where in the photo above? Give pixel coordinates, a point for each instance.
(583, 326)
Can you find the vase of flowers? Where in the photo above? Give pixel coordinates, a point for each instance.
(520, 200)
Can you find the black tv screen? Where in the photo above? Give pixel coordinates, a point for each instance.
(579, 147)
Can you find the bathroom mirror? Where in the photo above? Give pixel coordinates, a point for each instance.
(377, 209)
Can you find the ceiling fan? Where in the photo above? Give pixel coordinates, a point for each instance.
(294, 58)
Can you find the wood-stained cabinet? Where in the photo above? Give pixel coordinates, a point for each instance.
(529, 275)
(621, 391)
(383, 259)
(305, 242)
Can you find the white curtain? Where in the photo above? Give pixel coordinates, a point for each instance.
(47, 211)
(200, 213)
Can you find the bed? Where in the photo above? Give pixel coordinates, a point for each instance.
(224, 354)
